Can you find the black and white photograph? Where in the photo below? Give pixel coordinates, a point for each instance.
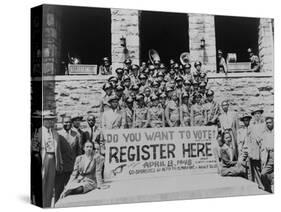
(133, 106)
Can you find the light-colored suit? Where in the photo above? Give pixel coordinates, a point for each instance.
(51, 162)
(86, 173)
(112, 119)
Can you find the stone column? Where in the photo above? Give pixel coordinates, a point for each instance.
(51, 53)
(124, 23)
(266, 47)
(202, 27)
(51, 41)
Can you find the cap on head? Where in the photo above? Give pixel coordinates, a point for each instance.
(135, 67)
(128, 61)
(245, 116)
(185, 95)
(197, 63)
(135, 87)
(113, 79)
(129, 99)
(203, 84)
(220, 52)
(114, 97)
(154, 97)
(119, 71)
(210, 93)
(139, 97)
(126, 78)
(187, 82)
(107, 86)
(257, 110)
(142, 77)
(119, 88)
(162, 95)
(187, 66)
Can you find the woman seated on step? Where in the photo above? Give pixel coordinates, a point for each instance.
(86, 175)
(231, 166)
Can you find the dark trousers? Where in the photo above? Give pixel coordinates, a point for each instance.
(255, 172)
(36, 179)
(61, 181)
(267, 174)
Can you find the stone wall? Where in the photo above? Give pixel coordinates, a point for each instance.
(244, 94)
(51, 40)
(124, 23)
(266, 47)
(202, 26)
(84, 96)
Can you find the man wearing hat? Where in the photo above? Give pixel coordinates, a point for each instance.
(185, 110)
(128, 113)
(119, 91)
(267, 155)
(186, 72)
(140, 115)
(76, 120)
(197, 71)
(70, 149)
(243, 140)
(112, 118)
(155, 114)
(128, 64)
(105, 68)
(152, 73)
(36, 160)
(142, 82)
(147, 94)
(51, 156)
(170, 76)
(127, 85)
(222, 66)
(104, 105)
(113, 80)
(134, 74)
(134, 90)
(211, 109)
(92, 132)
(120, 74)
(255, 61)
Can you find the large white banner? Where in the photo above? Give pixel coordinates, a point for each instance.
(138, 153)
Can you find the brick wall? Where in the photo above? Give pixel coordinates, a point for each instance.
(266, 48)
(124, 23)
(202, 26)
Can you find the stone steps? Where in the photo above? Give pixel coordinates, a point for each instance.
(163, 189)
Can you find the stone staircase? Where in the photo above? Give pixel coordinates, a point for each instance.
(163, 189)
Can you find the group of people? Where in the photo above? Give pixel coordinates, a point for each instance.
(147, 96)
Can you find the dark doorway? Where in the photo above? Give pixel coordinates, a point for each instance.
(86, 33)
(236, 35)
(165, 32)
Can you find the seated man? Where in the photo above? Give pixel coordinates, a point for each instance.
(230, 164)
